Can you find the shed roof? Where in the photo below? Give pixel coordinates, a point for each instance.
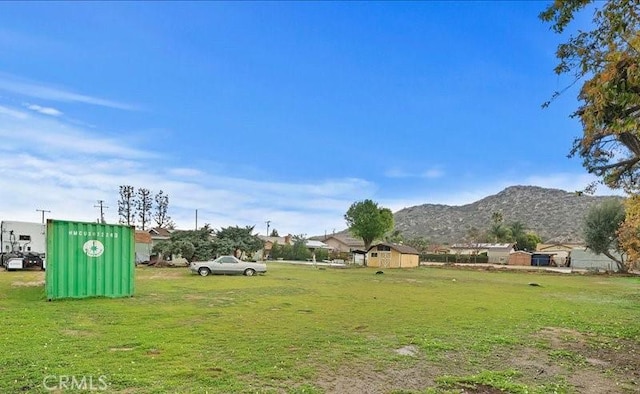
(521, 252)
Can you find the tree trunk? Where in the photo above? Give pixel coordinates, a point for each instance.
(619, 262)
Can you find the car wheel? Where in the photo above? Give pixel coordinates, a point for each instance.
(249, 272)
(203, 271)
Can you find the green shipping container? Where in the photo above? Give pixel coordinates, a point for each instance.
(89, 260)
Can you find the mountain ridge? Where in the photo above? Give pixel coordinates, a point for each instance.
(555, 215)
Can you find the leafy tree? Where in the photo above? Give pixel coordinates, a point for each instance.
(183, 248)
(299, 248)
(143, 207)
(394, 237)
(498, 232)
(368, 221)
(607, 60)
(629, 232)
(321, 254)
(274, 233)
(201, 240)
(237, 240)
(284, 252)
(161, 216)
(601, 230)
(126, 205)
(421, 244)
(525, 240)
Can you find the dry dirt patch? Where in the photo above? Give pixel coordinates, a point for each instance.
(360, 379)
(35, 283)
(600, 365)
(163, 274)
(585, 362)
(75, 333)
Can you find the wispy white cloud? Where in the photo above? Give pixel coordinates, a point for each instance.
(51, 164)
(396, 172)
(12, 113)
(12, 84)
(399, 173)
(185, 172)
(52, 135)
(433, 173)
(44, 110)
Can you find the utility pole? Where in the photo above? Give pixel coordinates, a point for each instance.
(102, 207)
(196, 219)
(268, 223)
(43, 211)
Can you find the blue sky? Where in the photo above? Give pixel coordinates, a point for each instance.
(287, 112)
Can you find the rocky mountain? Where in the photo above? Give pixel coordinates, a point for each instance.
(551, 213)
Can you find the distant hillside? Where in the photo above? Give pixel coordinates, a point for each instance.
(551, 213)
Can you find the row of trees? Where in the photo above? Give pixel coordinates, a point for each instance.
(139, 207)
(206, 243)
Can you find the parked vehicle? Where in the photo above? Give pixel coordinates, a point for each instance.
(22, 245)
(227, 265)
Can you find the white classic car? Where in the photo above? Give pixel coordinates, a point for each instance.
(227, 265)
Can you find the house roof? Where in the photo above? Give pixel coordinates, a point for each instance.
(558, 246)
(273, 240)
(160, 231)
(482, 246)
(404, 249)
(345, 239)
(313, 244)
(564, 239)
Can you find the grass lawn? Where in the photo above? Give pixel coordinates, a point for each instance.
(299, 329)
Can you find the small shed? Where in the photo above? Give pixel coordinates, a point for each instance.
(520, 257)
(388, 255)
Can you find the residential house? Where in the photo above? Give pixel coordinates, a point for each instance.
(496, 253)
(388, 255)
(159, 234)
(268, 245)
(314, 245)
(560, 250)
(342, 243)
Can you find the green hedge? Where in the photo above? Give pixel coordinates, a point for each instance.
(454, 258)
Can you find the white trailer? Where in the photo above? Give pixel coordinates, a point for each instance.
(23, 244)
